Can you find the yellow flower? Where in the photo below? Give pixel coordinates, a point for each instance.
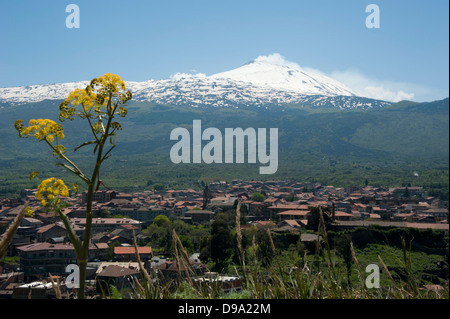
(88, 102)
(29, 212)
(122, 111)
(107, 91)
(83, 97)
(113, 81)
(41, 129)
(49, 189)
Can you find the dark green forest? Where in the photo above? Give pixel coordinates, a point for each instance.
(404, 144)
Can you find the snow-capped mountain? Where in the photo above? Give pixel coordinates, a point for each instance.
(266, 81)
(273, 71)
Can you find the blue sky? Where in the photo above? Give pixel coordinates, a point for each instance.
(140, 40)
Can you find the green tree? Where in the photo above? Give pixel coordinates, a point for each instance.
(406, 193)
(187, 243)
(205, 249)
(159, 187)
(221, 242)
(266, 246)
(198, 234)
(314, 218)
(160, 233)
(257, 197)
(161, 220)
(110, 250)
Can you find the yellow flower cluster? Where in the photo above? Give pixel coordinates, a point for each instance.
(83, 97)
(41, 129)
(29, 212)
(112, 81)
(50, 189)
(96, 95)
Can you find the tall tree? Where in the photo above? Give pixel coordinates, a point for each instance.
(257, 197)
(266, 247)
(221, 242)
(314, 218)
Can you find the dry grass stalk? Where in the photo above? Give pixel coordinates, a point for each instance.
(305, 264)
(239, 234)
(272, 245)
(182, 263)
(355, 260)
(358, 269)
(386, 269)
(396, 289)
(325, 236)
(11, 231)
(255, 259)
(141, 265)
(139, 286)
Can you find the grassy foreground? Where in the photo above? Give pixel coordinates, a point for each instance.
(321, 275)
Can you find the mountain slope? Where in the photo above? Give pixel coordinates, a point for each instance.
(262, 83)
(386, 146)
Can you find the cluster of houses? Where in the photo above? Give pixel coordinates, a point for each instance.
(43, 249)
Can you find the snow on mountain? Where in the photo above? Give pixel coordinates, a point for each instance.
(266, 81)
(36, 93)
(279, 74)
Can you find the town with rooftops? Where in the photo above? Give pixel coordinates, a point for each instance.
(41, 252)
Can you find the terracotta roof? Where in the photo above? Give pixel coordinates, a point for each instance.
(48, 246)
(404, 214)
(294, 212)
(303, 221)
(119, 250)
(45, 228)
(102, 245)
(290, 207)
(130, 227)
(292, 223)
(45, 246)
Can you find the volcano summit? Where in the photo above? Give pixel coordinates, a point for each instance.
(267, 81)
